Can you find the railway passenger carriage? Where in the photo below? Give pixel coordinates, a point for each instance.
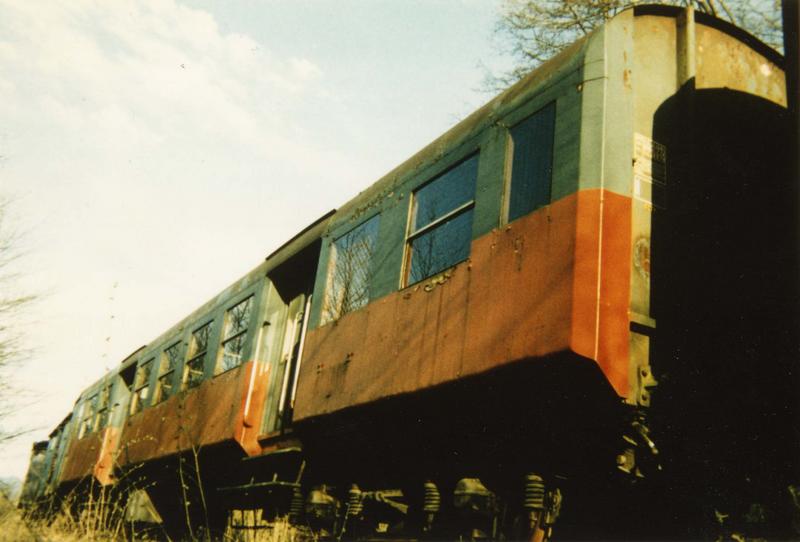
(476, 335)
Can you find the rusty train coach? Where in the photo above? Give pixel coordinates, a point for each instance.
(572, 315)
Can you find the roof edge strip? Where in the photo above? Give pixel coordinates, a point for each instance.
(715, 22)
(276, 257)
(299, 235)
(127, 360)
(502, 104)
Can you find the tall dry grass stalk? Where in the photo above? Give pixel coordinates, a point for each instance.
(247, 526)
(16, 527)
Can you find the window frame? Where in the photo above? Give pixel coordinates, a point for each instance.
(508, 169)
(86, 421)
(223, 341)
(166, 372)
(193, 356)
(103, 410)
(325, 314)
(137, 402)
(411, 236)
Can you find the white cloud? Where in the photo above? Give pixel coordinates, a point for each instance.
(153, 67)
(146, 148)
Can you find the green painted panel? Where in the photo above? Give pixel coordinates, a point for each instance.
(566, 148)
(592, 116)
(619, 104)
(489, 189)
(320, 282)
(486, 131)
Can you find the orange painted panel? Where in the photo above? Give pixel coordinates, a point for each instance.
(247, 423)
(451, 330)
(585, 275)
(601, 286)
(522, 284)
(209, 414)
(104, 468)
(528, 290)
(613, 354)
(82, 456)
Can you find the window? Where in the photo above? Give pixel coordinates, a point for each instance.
(102, 415)
(441, 222)
(193, 370)
(86, 416)
(170, 359)
(349, 270)
(141, 388)
(532, 162)
(233, 335)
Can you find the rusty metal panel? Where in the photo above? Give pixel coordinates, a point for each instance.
(516, 297)
(615, 277)
(82, 457)
(584, 286)
(431, 312)
(106, 458)
(726, 62)
(602, 283)
(451, 334)
(520, 294)
(208, 414)
(535, 287)
(247, 423)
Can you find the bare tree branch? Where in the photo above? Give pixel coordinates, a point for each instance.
(12, 305)
(532, 31)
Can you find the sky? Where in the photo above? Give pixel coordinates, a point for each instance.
(154, 151)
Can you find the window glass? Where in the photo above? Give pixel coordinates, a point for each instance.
(79, 416)
(234, 333)
(349, 270)
(87, 416)
(532, 162)
(193, 370)
(446, 193)
(441, 247)
(101, 418)
(141, 386)
(170, 359)
(441, 222)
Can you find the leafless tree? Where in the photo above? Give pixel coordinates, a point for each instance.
(349, 278)
(532, 31)
(12, 304)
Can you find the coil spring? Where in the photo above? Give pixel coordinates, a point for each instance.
(296, 505)
(355, 504)
(432, 500)
(534, 492)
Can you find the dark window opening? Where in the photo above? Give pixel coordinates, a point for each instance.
(532, 162)
(128, 375)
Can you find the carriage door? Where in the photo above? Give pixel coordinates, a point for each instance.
(287, 316)
(291, 356)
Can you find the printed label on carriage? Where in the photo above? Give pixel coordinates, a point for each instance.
(649, 171)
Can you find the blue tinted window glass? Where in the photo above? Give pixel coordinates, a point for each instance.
(532, 165)
(440, 247)
(449, 191)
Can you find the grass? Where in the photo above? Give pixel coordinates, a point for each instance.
(18, 526)
(15, 526)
